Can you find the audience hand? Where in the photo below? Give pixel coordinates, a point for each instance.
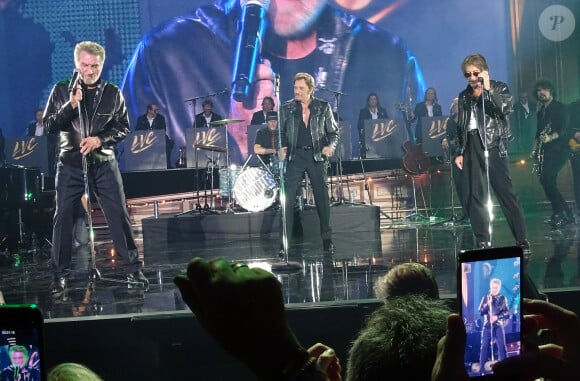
(243, 310)
(449, 362)
(555, 360)
(327, 361)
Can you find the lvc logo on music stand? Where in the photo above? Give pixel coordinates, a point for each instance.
(143, 141)
(24, 148)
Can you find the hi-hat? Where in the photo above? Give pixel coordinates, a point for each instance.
(208, 147)
(226, 121)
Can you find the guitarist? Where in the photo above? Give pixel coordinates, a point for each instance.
(494, 310)
(574, 142)
(552, 133)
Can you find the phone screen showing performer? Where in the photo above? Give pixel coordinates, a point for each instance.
(489, 299)
(21, 343)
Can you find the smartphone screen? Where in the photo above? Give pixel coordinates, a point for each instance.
(21, 343)
(489, 296)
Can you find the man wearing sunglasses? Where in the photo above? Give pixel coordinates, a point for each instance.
(484, 107)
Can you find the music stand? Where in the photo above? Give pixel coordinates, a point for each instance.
(194, 103)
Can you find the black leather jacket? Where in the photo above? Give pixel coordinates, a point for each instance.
(323, 127)
(498, 106)
(109, 123)
(499, 308)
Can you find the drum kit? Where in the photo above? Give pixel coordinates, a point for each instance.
(254, 189)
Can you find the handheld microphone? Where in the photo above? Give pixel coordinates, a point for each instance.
(480, 79)
(248, 47)
(74, 81)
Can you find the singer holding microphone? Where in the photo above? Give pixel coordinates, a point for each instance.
(242, 44)
(494, 310)
(104, 123)
(474, 139)
(309, 136)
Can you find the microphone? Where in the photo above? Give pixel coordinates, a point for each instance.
(74, 81)
(277, 84)
(480, 79)
(248, 47)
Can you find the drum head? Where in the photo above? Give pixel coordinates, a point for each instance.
(255, 189)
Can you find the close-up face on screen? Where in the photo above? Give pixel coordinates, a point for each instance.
(490, 308)
(20, 353)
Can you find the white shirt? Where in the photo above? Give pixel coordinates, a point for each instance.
(39, 130)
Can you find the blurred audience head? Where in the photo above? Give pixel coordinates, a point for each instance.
(399, 338)
(407, 279)
(70, 371)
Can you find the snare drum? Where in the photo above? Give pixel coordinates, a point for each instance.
(225, 186)
(255, 189)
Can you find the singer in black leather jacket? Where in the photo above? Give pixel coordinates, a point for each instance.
(307, 147)
(494, 310)
(193, 55)
(104, 123)
(493, 96)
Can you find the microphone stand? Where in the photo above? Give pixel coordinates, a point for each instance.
(285, 265)
(94, 273)
(486, 155)
(339, 171)
(362, 166)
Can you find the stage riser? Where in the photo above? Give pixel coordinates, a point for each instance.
(170, 233)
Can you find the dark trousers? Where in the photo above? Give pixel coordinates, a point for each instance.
(303, 161)
(554, 161)
(475, 188)
(486, 346)
(106, 184)
(460, 194)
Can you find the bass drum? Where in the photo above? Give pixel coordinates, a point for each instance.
(255, 189)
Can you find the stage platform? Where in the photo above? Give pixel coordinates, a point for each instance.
(169, 236)
(327, 300)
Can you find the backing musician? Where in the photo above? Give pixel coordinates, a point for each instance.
(426, 109)
(574, 142)
(552, 134)
(266, 144)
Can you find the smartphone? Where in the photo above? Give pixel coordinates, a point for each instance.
(489, 297)
(22, 342)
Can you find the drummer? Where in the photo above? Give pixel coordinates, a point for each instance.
(266, 144)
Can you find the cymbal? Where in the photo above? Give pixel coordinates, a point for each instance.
(226, 121)
(210, 148)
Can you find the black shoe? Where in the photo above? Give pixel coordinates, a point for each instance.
(58, 286)
(328, 246)
(483, 245)
(563, 220)
(137, 279)
(525, 246)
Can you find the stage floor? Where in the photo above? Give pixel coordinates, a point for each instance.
(367, 245)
